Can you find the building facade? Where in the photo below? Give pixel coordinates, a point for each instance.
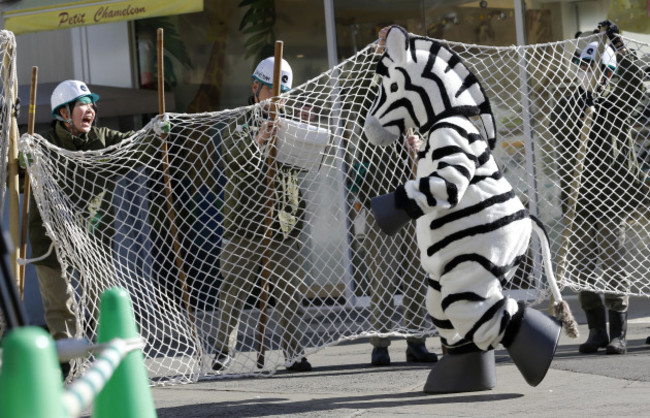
(210, 53)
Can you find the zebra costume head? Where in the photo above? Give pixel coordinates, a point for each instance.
(423, 82)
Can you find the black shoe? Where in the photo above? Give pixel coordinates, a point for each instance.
(617, 332)
(531, 338)
(417, 352)
(380, 356)
(466, 372)
(598, 337)
(221, 361)
(647, 340)
(300, 366)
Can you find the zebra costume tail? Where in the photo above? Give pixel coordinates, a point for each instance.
(561, 309)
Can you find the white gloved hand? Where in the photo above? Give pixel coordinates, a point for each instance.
(161, 126)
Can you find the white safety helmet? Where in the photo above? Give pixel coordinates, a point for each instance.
(607, 60)
(67, 92)
(593, 78)
(264, 73)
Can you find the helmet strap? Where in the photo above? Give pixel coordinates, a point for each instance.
(257, 91)
(61, 118)
(68, 121)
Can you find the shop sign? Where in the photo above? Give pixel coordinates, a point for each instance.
(84, 13)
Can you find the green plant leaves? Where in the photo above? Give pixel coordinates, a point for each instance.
(258, 23)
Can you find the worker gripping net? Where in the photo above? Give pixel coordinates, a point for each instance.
(174, 214)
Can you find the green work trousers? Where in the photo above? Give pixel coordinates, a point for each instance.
(392, 261)
(58, 303)
(241, 268)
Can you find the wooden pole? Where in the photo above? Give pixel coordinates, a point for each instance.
(171, 213)
(13, 170)
(26, 189)
(268, 220)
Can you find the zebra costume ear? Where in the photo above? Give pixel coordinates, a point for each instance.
(397, 44)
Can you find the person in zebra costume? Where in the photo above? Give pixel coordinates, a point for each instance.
(472, 229)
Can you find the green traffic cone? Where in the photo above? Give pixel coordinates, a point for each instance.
(127, 394)
(31, 385)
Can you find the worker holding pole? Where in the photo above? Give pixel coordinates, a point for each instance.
(263, 220)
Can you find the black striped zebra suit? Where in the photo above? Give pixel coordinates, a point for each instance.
(472, 230)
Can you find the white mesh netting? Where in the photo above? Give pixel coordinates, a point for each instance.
(7, 93)
(195, 257)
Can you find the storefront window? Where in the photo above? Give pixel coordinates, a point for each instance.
(209, 56)
(473, 22)
(486, 23)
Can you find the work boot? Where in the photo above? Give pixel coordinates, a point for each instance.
(380, 357)
(417, 352)
(597, 331)
(617, 331)
(468, 369)
(301, 365)
(221, 360)
(531, 339)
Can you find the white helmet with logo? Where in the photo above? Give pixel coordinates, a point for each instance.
(608, 58)
(592, 77)
(264, 73)
(67, 92)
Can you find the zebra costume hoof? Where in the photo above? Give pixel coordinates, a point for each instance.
(531, 340)
(467, 372)
(388, 217)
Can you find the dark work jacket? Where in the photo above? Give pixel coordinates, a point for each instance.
(246, 192)
(82, 188)
(611, 179)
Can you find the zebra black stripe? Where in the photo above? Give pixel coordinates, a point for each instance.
(425, 100)
(468, 82)
(423, 187)
(497, 271)
(442, 323)
(471, 210)
(405, 103)
(457, 297)
(479, 229)
(442, 152)
(471, 137)
(488, 315)
(497, 175)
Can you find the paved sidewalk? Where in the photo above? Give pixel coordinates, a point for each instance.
(343, 384)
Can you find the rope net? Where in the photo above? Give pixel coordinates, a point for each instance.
(202, 230)
(7, 93)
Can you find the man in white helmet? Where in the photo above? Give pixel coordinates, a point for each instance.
(245, 207)
(610, 187)
(73, 108)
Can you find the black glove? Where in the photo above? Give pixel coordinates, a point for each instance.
(389, 218)
(613, 34)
